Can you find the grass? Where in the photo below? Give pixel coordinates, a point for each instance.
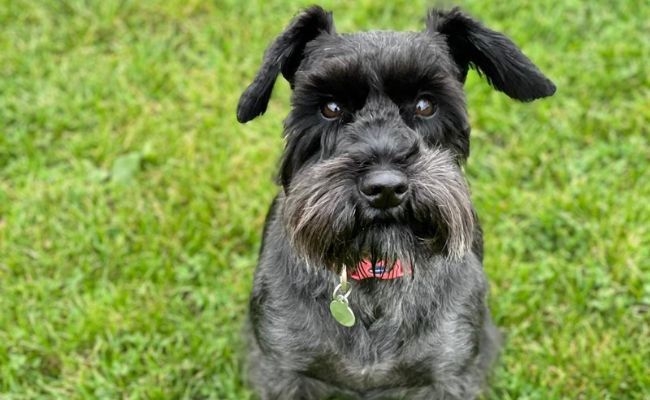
(131, 202)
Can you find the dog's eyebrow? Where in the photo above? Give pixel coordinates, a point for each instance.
(412, 78)
(338, 77)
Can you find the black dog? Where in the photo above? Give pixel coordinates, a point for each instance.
(370, 282)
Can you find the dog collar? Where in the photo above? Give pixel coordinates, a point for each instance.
(365, 269)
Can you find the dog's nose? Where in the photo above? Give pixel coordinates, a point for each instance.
(384, 188)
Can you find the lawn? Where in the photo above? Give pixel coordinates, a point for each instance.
(132, 202)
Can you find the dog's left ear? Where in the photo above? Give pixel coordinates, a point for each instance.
(506, 68)
(283, 55)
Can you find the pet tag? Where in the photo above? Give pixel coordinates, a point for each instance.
(339, 307)
(341, 312)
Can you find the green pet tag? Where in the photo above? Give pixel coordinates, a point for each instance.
(342, 312)
(339, 307)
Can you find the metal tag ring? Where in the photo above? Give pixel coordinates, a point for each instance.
(341, 295)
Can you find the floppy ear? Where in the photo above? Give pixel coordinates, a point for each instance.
(505, 67)
(283, 55)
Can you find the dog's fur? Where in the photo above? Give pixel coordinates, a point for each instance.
(428, 334)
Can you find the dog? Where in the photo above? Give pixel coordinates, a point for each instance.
(370, 282)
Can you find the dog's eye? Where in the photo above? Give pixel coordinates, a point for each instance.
(331, 110)
(425, 107)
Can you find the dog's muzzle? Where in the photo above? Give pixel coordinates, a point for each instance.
(336, 213)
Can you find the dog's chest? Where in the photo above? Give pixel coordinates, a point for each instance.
(394, 343)
(370, 360)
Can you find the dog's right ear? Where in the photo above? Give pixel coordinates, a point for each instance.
(283, 55)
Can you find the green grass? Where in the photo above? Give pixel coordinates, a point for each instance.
(131, 201)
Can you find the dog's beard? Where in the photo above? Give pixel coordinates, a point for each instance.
(329, 225)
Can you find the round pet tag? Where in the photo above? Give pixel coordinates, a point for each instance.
(341, 312)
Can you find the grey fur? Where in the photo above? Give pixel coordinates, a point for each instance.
(428, 334)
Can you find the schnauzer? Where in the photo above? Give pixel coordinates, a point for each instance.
(370, 282)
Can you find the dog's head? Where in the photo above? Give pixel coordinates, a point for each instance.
(378, 131)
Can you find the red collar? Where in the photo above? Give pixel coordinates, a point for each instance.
(366, 270)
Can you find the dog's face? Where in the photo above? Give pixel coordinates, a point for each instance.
(378, 131)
